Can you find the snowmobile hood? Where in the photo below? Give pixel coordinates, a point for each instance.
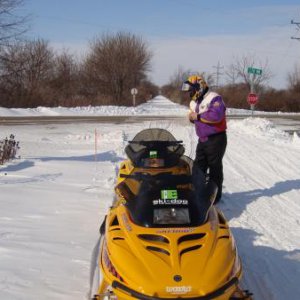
(168, 262)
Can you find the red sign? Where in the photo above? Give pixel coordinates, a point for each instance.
(252, 98)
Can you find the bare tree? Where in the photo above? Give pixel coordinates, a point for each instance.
(26, 68)
(178, 77)
(294, 79)
(65, 82)
(231, 74)
(11, 24)
(116, 64)
(240, 69)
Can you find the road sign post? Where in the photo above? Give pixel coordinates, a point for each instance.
(254, 71)
(134, 92)
(252, 100)
(252, 97)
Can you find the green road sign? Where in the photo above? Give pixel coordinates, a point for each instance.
(254, 71)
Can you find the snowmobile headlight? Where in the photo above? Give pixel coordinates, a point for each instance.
(171, 216)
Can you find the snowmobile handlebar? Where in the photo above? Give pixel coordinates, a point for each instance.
(167, 176)
(161, 143)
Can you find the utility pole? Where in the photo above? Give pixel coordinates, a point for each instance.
(218, 73)
(298, 25)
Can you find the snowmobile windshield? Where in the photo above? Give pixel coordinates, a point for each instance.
(167, 200)
(154, 148)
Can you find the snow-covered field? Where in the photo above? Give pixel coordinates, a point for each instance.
(53, 199)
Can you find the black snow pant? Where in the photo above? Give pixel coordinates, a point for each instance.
(209, 155)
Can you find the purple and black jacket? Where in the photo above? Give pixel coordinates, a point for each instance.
(211, 116)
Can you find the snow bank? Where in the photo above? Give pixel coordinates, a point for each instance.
(159, 105)
(263, 128)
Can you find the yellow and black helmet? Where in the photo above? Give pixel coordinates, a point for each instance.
(195, 85)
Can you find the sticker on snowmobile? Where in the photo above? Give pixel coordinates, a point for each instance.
(176, 230)
(153, 154)
(170, 202)
(126, 222)
(178, 289)
(168, 194)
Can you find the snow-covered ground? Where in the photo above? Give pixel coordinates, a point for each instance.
(53, 199)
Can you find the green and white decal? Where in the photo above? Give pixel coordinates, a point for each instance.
(153, 154)
(168, 194)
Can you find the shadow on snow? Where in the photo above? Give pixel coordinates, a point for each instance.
(100, 157)
(18, 166)
(268, 273)
(235, 203)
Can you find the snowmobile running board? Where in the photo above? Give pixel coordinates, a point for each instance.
(109, 294)
(246, 297)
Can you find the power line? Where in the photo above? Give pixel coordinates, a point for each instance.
(218, 73)
(298, 25)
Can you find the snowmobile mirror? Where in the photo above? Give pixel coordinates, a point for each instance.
(185, 87)
(124, 191)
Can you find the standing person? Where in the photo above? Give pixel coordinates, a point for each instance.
(207, 112)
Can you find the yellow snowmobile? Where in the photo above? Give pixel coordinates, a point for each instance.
(163, 238)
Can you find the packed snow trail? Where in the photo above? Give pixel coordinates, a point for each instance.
(258, 189)
(262, 203)
(54, 198)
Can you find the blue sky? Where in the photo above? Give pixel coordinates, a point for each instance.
(192, 34)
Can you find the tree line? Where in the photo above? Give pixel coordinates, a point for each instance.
(239, 83)
(33, 74)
